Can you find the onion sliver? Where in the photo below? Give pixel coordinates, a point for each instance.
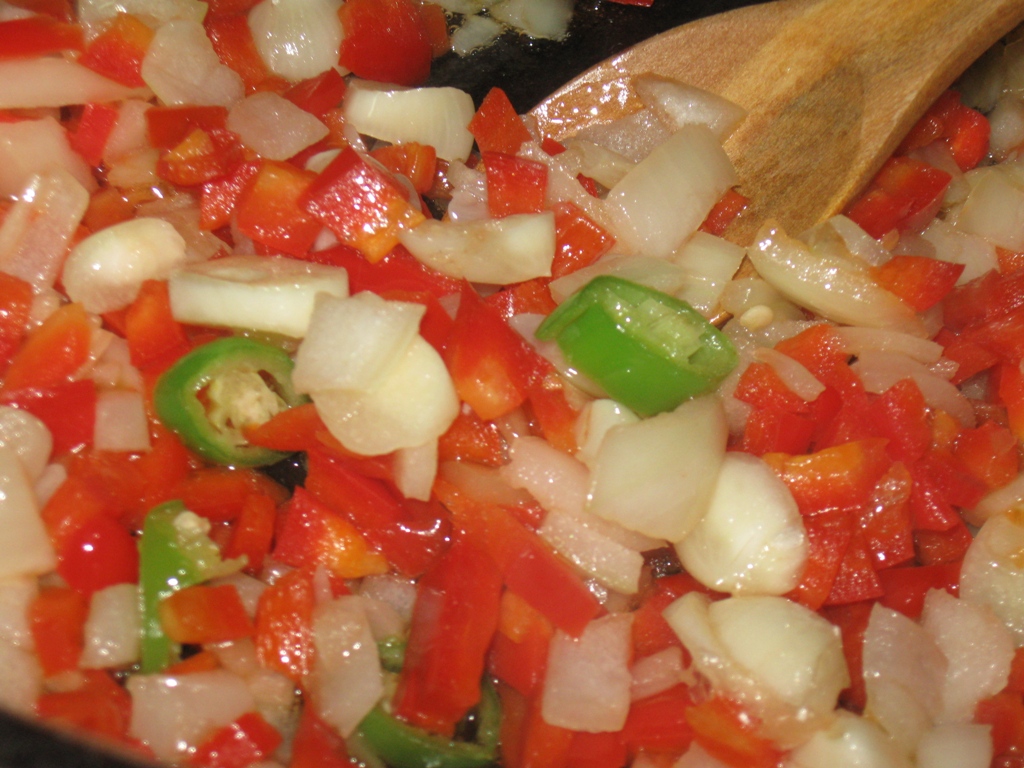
(25, 547)
(497, 251)
(665, 198)
(55, 82)
(837, 288)
(259, 293)
(858, 340)
(28, 437)
(610, 562)
(995, 209)
(992, 573)
(16, 595)
(157, 10)
(297, 39)
(435, 116)
(881, 370)
(680, 104)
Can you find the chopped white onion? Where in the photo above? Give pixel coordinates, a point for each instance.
(841, 235)
(710, 263)
(752, 539)
(852, 742)
(956, 745)
(794, 375)
(997, 502)
(605, 166)
(297, 39)
(663, 200)
(992, 573)
(435, 116)
(856, 341)
(548, 19)
(610, 562)
(182, 68)
(1007, 124)
(30, 149)
(346, 681)
(47, 81)
(994, 209)
(587, 683)
(261, 293)
(485, 484)
(415, 470)
(113, 628)
(273, 126)
(25, 547)
(475, 32)
(836, 287)
(105, 270)
(129, 132)
(680, 104)
(21, 679)
(639, 480)
(634, 136)
(121, 423)
(157, 10)
(978, 647)
(954, 245)
(28, 437)
(904, 672)
(881, 370)
(16, 595)
(497, 251)
(392, 589)
(170, 714)
(658, 672)
(596, 418)
(181, 211)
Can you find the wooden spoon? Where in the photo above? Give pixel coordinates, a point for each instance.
(831, 88)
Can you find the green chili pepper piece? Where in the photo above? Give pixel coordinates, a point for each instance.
(208, 395)
(174, 552)
(646, 349)
(401, 745)
(392, 653)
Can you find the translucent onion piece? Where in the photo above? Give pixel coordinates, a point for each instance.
(28, 437)
(413, 403)
(957, 745)
(904, 672)
(475, 32)
(596, 418)
(605, 166)
(777, 658)
(394, 590)
(21, 679)
(795, 376)
(634, 136)
(881, 370)
(16, 595)
(56, 82)
(181, 211)
(852, 742)
(997, 502)
(610, 562)
(751, 540)
(156, 10)
(954, 245)
(837, 288)
(182, 68)
(435, 116)
(129, 132)
(172, 713)
(993, 574)
(1007, 123)
(273, 126)
(346, 681)
(587, 683)
(260, 293)
(639, 480)
(660, 274)
(297, 39)
(30, 149)
(658, 672)
(105, 270)
(856, 341)
(977, 645)
(662, 201)
(496, 251)
(548, 19)
(121, 423)
(710, 263)
(25, 547)
(353, 342)
(415, 470)
(113, 628)
(841, 235)
(681, 104)
(994, 209)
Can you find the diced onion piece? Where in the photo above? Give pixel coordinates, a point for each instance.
(634, 136)
(904, 672)
(32, 148)
(640, 480)
(605, 166)
(273, 126)
(395, 591)
(977, 645)
(354, 342)
(993, 574)
(836, 287)
(553, 478)
(413, 403)
(121, 423)
(881, 370)
(751, 540)
(994, 209)
(997, 502)
(954, 245)
(129, 132)
(33, 83)
(548, 19)
(497, 251)
(680, 104)
(182, 68)
(586, 686)
(113, 628)
(170, 714)
(181, 211)
(596, 418)
(613, 564)
(25, 547)
(709, 263)
(297, 39)
(21, 679)
(794, 375)
(663, 201)
(658, 672)
(346, 681)
(851, 741)
(956, 745)
(475, 32)
(661, 274)
(105, 270)
(1007, 124)
(28, 437)
(435, 116)
(260, 293)
(856, 341)
(157, 10)
(781, 661)
(16, 595)
(415, 470)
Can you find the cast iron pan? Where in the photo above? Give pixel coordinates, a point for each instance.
(527, 70)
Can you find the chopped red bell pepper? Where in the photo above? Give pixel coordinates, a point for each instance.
(965, 131)
(246, 741)
(417, 162)
(921, 281)
(38, 36)
(155, 338)
(15, 305)
(596, 750)
(514, 184)
(318, 95)
(219, 198)
(284, 625)
(68, 410)
(166, 127)
(519, 651)
(496, 126)
(54, 352)
(852, 620)
(57, 621)
(729, 734)
(527, 741)
(99, 706)
(90, 134)
(271, 212)
(200, 157)
(904, 195)
(253, 532)
(658, 723)
(98, 553)
(724, 212)
(385, 40)
(317, 745)
(579, 240)
(232, 40)
(905, 588)
(470, 438)
(204, 614)
(117, 52)
(829, 535)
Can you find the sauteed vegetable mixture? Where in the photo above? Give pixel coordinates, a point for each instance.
(344, 420)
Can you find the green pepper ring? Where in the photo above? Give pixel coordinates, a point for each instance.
(176, 396)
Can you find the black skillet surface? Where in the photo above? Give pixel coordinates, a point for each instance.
(527, 70)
